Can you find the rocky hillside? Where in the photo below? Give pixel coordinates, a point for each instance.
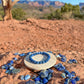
(43, 3)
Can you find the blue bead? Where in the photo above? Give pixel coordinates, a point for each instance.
(60, 55)
(37, 78)
(63, 59)
(15, 58)
(30, 82)
(43, 74)
(37, 82)
(49, 51)
(29, 53)
(66, 83)
(23, 54)
(50, 71)
(27, 77)
(70, 61)
(73, 81)
(22, 77)
(11, 62)
(74, 61)
(7, 71)
(77, 78)
(45, 80)
(49, 76)
(15, 71)
(34, 76)
(5, 67)
(11, 67)
(63, 75)
(8, 64)
(67, 80)
(73, 74)
(16, 53)
(68, 74)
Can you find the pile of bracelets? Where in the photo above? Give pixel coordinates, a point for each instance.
(39, 62)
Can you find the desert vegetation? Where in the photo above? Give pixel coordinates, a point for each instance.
(68, 11)
(24, 11)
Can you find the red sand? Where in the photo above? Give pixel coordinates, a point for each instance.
(59, 36)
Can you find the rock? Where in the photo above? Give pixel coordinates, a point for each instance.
(50, 71)
(49, 76)
(63, 59)
(5, 67)
(11, 67)
(37, 78)
(34, 76)
(59, 67)
(73, 81)
(77, 78)
(45, 81)
(30, 82)
(27, 77)
(15, 58)
(63, 75)
(16, 53)
(73, 74)
(22, 77)
(43, 73)
(67, 81)
(15, 71)
(23, 54)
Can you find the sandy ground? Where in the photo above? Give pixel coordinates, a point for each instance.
(59, 36)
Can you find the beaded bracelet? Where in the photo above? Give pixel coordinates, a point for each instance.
(39, 62)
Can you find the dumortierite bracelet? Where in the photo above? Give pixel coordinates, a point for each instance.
(39, 62)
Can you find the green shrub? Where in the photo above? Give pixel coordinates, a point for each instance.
(66, 12)
(79, 16)
(18, 13)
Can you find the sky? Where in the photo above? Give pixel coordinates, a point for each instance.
(74, 2)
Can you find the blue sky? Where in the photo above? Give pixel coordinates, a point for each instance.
(71, 1)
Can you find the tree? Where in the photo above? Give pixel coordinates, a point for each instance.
(7, 5)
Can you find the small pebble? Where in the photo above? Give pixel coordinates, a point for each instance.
(22, 77)
(45, 81)
(73, 81)
(34, 76)
(23, 54)
(15, 71)
(15, 58)
(73, 74)
(27, 77)
(11, 67)
(37, 78)
(30, 82)
(63, 75)
(77, 78)
(16, 53)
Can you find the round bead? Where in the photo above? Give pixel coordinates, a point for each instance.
(39, 62)
(77, 78)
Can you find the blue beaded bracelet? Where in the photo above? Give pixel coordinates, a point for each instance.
(39, 62)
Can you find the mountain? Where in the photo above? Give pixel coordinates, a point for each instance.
(45, 3)
(38, 3)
